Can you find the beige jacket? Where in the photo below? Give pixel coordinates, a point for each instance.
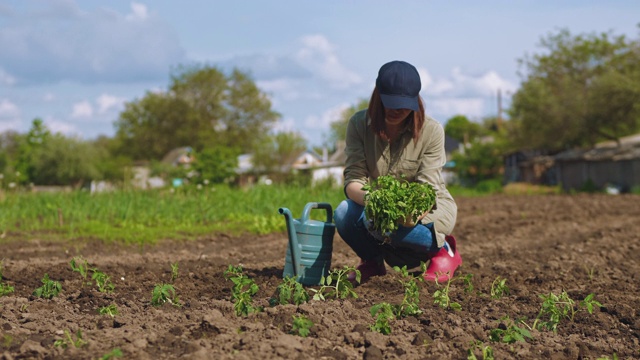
(368, 156)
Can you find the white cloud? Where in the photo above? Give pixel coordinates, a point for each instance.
(6, 78)
(82, 110)
(108, 102)
(285, 89)
(470, 107)
(9, 116)
(459, 84)
(59, 126)
(138, 12)
(319, 55)
(323, 121)
(285, 125)
(62, 42)
(48, 97)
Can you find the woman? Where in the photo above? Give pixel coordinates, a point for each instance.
(395, 137)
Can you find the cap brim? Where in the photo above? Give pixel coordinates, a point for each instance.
(399, 102)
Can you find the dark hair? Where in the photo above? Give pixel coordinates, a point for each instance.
(377, 115)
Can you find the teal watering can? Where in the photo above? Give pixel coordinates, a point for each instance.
(310, 245)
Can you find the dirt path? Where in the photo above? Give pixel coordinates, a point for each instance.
(580, 244)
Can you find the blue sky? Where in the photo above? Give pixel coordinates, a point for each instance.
(75, 63)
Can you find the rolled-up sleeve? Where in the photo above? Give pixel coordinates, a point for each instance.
(356, 164)
(430, 171)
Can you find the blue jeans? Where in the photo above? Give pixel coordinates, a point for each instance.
(408, 246)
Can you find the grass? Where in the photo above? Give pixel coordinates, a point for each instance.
(139, 217)
(147, 216)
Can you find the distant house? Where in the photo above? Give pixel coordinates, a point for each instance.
(534, 167)
(332, 167)
(606, 164)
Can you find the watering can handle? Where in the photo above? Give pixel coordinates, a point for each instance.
(317, 205)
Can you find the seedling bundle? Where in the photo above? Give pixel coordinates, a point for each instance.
(391, 202)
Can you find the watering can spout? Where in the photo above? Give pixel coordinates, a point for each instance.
(293, 239)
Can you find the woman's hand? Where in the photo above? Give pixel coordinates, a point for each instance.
(408, 221)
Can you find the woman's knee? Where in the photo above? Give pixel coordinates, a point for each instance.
(346, 213)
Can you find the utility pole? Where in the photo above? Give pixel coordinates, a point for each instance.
(499, 118)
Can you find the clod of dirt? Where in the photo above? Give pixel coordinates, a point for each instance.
(372, 353)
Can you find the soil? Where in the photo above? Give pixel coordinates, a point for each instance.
(578, 244)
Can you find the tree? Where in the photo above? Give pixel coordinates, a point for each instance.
(277, 151)
(216, 164)
(203, 106)
(65, 161)
(152, 126)
(28, 146)
(338, 131)
(582, 90)
(462, 129)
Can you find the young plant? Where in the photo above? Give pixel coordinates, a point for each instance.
(164, 293)
(115, 353)
(301, 325)
(291, 292)
(80, 265)
(68, 340)
(441, 297)
(468, 284)
(509, 332)
(5, 289)
(411, 302)
(383, 313)
(499, 288)
(391, 202)
(337, 285)
(174, 271)
(103, 281)
(555, 308)
(242, 292)
(49, 288)
(111, 310)
(486, 350)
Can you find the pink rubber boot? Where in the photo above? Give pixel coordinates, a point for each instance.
(444, 263)
(368, 268)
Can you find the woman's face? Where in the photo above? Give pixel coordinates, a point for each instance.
(396, 116)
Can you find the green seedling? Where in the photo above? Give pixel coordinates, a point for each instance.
(291, 292)
(555, 308)
(49, 288)
(301, 325)
(383, 313)
(111, 310)
(508, 332)
(242, 292)
(499, 288)
(68, 340)
(468, 284)
(174, 271)
(7, 340)
(589, 302)
(103, 281)
(80, 265)
(614, 357)
(486, 351)
(337, 285)
(390, 202)
(164, 293)
(115, 353)
(411, 302)
(442, 299)
(5, 289)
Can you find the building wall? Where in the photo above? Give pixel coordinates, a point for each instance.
(624, 174)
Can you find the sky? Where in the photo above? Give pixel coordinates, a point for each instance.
(75, 64)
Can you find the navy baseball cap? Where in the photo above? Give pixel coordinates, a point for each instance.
(399, 85)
